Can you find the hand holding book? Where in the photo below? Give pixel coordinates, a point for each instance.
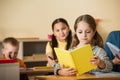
(79, 58)
(96, 61)
(116, 60)
(67, 71)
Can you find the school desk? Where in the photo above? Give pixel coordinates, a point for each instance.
(38, 70)
(87, 76)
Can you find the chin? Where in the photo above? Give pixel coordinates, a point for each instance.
(63, 38)
(85, 43)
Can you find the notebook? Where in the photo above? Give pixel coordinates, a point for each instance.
(114, 49)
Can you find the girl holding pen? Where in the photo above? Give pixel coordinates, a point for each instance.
(61, 38)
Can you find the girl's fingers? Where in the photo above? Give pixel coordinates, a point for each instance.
(95, 57)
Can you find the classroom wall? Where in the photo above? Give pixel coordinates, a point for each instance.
(33, 18)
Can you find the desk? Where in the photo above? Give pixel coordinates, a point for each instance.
(9, 71)
(81, 77)
(40, 70)
(32, 72)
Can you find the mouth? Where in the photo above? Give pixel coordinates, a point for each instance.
(84, 39)
(63, 36)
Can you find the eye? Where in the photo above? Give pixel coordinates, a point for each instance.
(57, 30)
(80, 32)
(88, 31)
(10, 52)
(15, 52)
(63, 28)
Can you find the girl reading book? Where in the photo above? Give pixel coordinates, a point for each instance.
(61, 38)
(86, 33)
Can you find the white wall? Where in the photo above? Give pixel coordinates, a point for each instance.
(33, 18)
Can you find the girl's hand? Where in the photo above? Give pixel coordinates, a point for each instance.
(116, 60)
(51, 61)
(67, 71)
(96, 61)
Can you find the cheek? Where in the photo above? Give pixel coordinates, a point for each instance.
(78, 35)
(14, 55)
(67, 33)
(6, 52)
(56, 33)
(90, 37)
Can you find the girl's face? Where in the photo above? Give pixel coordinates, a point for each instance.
(61, 31)
(84, 33)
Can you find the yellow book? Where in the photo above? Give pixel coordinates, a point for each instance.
(78, 58)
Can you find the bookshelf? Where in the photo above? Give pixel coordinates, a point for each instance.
(32, 51)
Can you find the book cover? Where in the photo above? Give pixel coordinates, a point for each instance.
(78, 58)
(2, 61)
(114, 49)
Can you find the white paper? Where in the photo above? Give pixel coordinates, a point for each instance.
(114, 49)
(106, 74)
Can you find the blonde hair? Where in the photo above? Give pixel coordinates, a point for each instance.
(10, 40)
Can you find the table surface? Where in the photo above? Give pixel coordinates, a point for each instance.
(104, 76)
(36, 70)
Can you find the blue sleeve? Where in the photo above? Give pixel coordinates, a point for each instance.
(114, 38)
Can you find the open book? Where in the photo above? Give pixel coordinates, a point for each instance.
(78, 58)
(114, 49)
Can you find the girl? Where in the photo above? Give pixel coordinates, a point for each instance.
(86, 33)
(61, 38)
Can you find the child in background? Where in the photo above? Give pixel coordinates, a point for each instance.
(86, 33)
(114, 38)
(61, 38)
(10, 51)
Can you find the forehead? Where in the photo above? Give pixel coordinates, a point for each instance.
(10, 46)
(60, 25)
(83, 25)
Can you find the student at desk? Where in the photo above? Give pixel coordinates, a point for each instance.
(61, 38)
(10, 51)
(114, 38)
(86, 33)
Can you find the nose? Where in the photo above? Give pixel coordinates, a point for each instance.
(61, 31)
(84, 34)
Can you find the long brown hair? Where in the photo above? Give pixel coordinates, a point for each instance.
(97, 39)
(54, 42)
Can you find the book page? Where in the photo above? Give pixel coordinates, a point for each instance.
(64, 58)
(114, 49)
(81, 57)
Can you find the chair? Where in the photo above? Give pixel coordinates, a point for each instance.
(114, 38)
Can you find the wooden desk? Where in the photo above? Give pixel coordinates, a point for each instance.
(82, 77)
(40, 70)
